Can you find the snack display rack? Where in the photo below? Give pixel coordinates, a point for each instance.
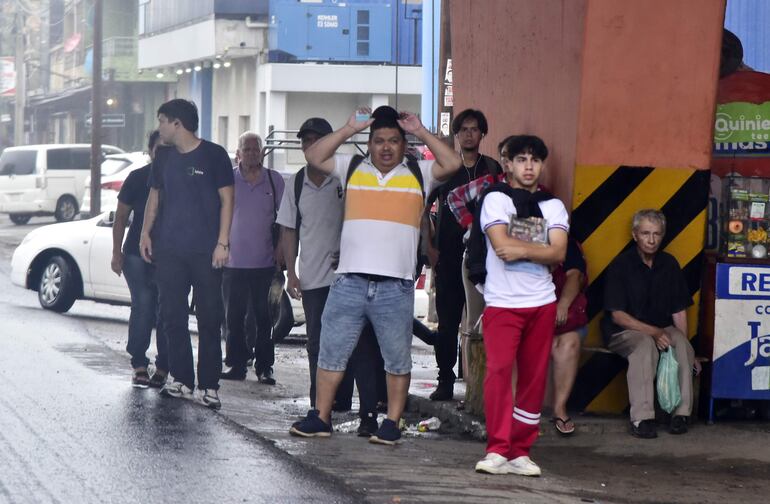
(746, 217)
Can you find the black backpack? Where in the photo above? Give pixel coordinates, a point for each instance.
(526, 204)
(414, 167)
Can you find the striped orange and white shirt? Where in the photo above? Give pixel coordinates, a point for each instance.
(381, 227)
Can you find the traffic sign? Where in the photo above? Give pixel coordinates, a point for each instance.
(109, 120)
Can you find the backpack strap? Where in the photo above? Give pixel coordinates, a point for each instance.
(299, 181)
(354, 162)
(272, 186)
(414, 167)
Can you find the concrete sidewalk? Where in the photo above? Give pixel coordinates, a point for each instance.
(600, 463)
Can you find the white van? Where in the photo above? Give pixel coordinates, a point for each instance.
(45, 180)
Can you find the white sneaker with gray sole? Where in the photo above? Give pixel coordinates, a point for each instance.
(493, 463)
(523, 466)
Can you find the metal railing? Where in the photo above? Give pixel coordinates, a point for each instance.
(286, 140)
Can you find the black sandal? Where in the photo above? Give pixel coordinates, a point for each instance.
(560, 424)
(141, 379)
(158, 379)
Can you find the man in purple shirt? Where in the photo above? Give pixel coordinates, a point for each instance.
(253, 252)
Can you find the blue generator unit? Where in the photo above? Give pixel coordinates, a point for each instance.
(357, 31)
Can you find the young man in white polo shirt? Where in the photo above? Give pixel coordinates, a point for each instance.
(385, 198)
(520, 311)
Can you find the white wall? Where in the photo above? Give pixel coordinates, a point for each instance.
(184, 44)
(234, 96)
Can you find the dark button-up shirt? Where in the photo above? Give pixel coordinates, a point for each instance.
(649, 294)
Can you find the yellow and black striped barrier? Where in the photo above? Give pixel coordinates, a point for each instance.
(604, 201)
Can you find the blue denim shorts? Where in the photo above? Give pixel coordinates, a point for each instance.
(387, 304)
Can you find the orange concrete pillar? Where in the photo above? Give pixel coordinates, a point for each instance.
(623, 93)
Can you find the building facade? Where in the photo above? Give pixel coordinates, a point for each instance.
(268, 65)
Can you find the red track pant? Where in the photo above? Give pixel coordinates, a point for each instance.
(520, 336)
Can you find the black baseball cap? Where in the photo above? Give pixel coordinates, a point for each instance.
(316, 125)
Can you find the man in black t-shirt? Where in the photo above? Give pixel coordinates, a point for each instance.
(446, 248)
(645, 298)
(186, 234)
(140, 277)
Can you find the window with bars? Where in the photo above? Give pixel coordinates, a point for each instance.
(362, 33)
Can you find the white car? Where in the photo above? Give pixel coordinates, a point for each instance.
(45, 180)
(115, 170)
(69, 261)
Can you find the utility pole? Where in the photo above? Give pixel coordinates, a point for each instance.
(96, 114)
(445, 92)
(21, 84)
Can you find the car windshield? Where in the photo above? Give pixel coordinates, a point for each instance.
(113, 166)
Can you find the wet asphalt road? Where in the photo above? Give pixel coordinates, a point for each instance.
(72, 430)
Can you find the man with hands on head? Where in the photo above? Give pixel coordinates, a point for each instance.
(385, 198)
(186, 234)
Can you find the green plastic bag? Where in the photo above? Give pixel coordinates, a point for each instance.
(669, 395)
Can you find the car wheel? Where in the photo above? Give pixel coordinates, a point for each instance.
(20, 219)
(57, 290)
(283, 318)
(66, 208)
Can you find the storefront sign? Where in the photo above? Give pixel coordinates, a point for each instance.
(742, 332)
(742, 122)
(7, 76)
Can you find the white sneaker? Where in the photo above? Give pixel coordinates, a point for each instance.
(176, 389)
(493, 463)
(524, 466)
(210, 399)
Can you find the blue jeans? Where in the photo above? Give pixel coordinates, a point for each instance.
(388, 304)
(177, 273)
(145, 314)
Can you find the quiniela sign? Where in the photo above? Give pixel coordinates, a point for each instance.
(742, 122)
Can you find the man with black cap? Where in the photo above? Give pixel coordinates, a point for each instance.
(385, 198)
(254, 254)
(311, 215)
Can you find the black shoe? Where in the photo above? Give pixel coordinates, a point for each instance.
(311, 426)
(266, 377)
(234, 373)
(645, 430)
(387, 434)
(140, 379)
(158, 379)
(444, 392)
(678, 425)
(368, 426)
